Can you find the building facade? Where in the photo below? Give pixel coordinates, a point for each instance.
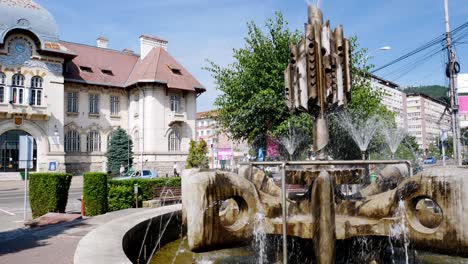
(427, 119)
(70, 97)
(392, 98)
(223, 153)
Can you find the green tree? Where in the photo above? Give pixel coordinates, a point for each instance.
(119, 151)
(252, 87)
(197, 155)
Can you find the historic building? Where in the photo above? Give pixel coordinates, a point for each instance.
(71, 96)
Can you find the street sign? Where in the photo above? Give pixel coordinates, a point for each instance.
(26, 152)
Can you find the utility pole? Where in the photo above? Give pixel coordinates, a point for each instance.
(452, 71)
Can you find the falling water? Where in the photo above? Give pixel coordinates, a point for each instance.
(393, 137)
(291, 140)
(260, 237)
(399, 230)
(361, 131)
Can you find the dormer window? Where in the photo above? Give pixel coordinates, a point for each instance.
(86, 69)
(176, 71)
(107, 72)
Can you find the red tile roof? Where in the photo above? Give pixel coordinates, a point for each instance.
(157, 67)
(127, 68)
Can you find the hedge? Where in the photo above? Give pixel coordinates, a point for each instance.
(95, 193)
(121, 194)
(48, 192)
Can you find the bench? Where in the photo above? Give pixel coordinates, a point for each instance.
(167, 194)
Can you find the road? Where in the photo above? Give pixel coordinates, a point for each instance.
(12, 202)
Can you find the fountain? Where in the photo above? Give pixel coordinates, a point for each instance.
(393, 137)
(361, 131)
(397, 212)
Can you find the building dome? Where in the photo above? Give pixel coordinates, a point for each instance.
(27, 15)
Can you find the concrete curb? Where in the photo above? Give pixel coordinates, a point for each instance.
(104, 244)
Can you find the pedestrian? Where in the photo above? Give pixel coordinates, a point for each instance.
(122, 169)
(176, 174)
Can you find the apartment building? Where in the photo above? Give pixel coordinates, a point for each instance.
(427, 118)
(392, 98)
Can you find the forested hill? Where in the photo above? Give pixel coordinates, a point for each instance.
(434, 91)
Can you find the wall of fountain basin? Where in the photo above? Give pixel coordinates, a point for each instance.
(132, 238)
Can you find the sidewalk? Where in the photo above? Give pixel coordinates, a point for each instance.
(51, 244)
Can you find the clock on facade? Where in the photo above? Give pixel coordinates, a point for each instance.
(20, 47)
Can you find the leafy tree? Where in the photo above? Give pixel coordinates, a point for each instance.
(252, 87)
(197, 155)
(433, 151)
(119, 151)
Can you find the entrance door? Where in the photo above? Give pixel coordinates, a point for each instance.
(9, 151)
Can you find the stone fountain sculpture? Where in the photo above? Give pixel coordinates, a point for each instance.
(318, 80)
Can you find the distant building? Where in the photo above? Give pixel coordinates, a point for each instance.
(392, 98)
(71, 97)
(427, 118)
(222, 151)
(462, 80)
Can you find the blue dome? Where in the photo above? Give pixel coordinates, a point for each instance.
(27, 15)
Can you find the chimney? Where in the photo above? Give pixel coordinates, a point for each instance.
(147, 43)
(102, 42)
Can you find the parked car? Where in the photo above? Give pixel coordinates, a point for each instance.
(430, 160)
(147, 174)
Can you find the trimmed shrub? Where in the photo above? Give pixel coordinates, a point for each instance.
(121, 194)
(95, 193)
(48, 192)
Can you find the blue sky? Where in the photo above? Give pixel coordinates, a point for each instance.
(203, 29)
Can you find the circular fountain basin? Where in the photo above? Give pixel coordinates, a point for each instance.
(131, 238)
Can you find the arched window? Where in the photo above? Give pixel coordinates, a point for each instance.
(36, 91)
(72, 141)
(136, 141)
(17, 89)
(94, 141)
(18, 80)
(174, 140)
(2, 87)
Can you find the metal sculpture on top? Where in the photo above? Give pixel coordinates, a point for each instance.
(318, 77)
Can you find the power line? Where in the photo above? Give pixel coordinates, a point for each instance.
(429, 44)
(415, 63)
